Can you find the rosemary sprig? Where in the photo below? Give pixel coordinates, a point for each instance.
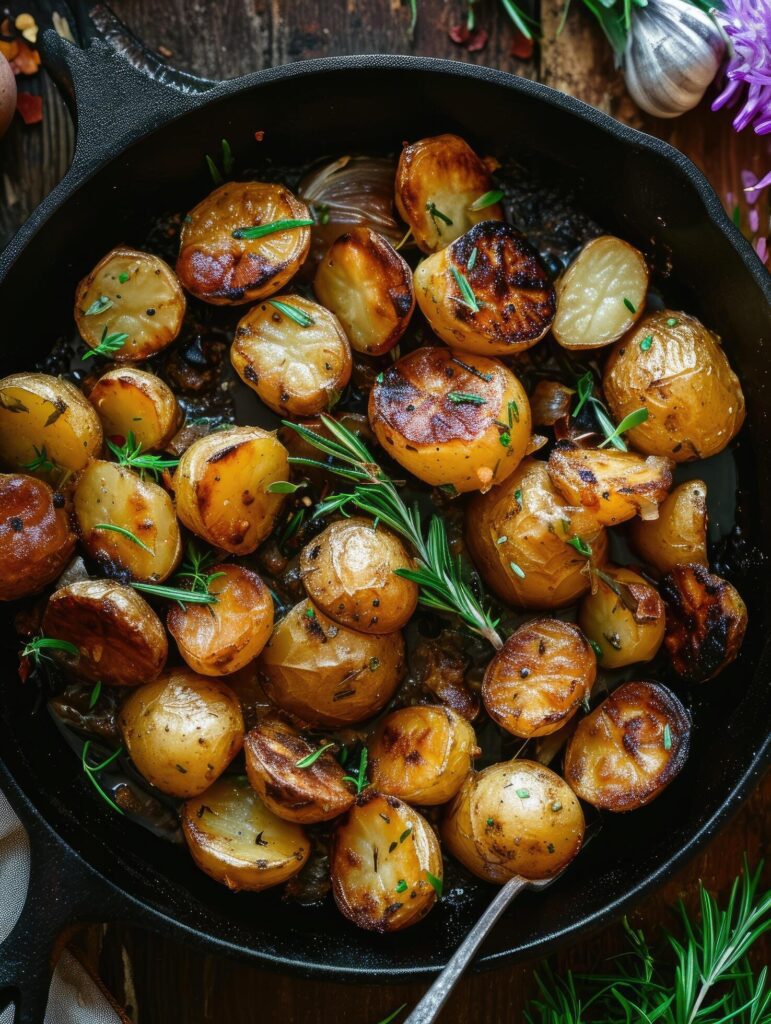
(310, 759)
(183, 597)
(261, 230)
(468, 298)
(359, 780)
(227, 163)
(40, 462)
(298, 315)
(108, 345)
(125, 533)
(92, 770)
(436, 215)
(195, 568)
(585, 392)
(36, 648)
(464, 397)
(488, 199)
(130, 454)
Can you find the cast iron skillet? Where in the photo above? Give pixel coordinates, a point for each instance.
(142, 129)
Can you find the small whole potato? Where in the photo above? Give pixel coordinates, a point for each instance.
(182, 731)
(516, 818)
(120, 639)
(629, 748)
(679, 535)
(133, 402)
(35, 537)
(675, 367)
(623, 616)
(325, 674)
(537, 681)
(451, 420)
(385, 863)
(349, 571)
(422, 754)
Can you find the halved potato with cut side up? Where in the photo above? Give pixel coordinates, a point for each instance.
(623, 616)
(130, 401)
(35, 538)
(679, 535)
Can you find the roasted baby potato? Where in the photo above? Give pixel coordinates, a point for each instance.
(130, 401)
(385, 863)
(46, 420)
(539, 678)
(516, 818)
(487, 292)
(706, 622)
(132, 293)
(623, 616)
(422, 754)
(216, 639)
(182, 731)
(218, 264)
(601, 294)
(35, 538)
(679, 535)
(325, 674)
(222, 487)
(438, 181)
(675, 367)
(110, 499)
(614, 486)
(276, 757)
(525, 542)
(368, 286)
(349, 571)
(294, 354)
(629, 748)
(448, 420)
(237, 841)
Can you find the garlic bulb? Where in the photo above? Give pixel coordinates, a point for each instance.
(673, 52)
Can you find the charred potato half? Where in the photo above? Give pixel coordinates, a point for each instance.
(679, 535)
(623, 616)
(35, 538)
(130, 401)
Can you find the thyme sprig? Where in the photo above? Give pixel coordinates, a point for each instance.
(585, 392)
(92, 770)
(131, 454)
(41, 462)
(195, 568)
(108, 345)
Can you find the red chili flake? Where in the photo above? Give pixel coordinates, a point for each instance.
(30, 107)
(477, 41)
(259, 136)
(459, 33)
(521, 46)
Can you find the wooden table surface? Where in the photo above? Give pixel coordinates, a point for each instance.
(159, 980)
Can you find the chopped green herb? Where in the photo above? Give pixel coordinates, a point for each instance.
(517, 570)
(461, 397)
(436, 214)
(298, 315)
(488, 199)
(183, 597)
(672, 321)
(291, 528)
(98, 306)
(468, 298)
(581, 546)
(380, 378)
(214, 171)
(401, 886)
(667, 737)
(310, 613)
(472, 369)
(282, 487)
(505, 438)
(472, 260)
(123, 277)
(646, 343)
(630, 306)
(518, 496)
(596, 648)
(584, 388)
(523, 794)
(359, 780)
(40, 462)
(227, 156)
(125, 533)
(195, 567)
(634, 419)
(501, 540)
(261, 230)
(405, 834)
(95, 694)
(436, 884)
(35, 648)
(130, 454)
(513, 413)
(108, 345)
(306, 762)
(490, 822)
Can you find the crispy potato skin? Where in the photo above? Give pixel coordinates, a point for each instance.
(305, 795)
(622, 755)
(44, 412)
(694, 399)
(220, 269)
(149, 306)
(325, 674)
(368, 286)
(536, 682)
(422, 754)
(237, 841)
(131, 401)
(348, 571)
(706, 622)
(216, 639)
(35, 538)
(182, 731)
(121, 640)
(514, 818)
(221, 485)
(509, 282)
(524, 522)
(628, 626)
(679, 535)
(380, 843)
(443, 441)
(443, 170)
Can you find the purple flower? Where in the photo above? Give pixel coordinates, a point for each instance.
(747, 25)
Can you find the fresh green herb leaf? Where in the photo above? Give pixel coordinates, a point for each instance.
(261, 230)
(634, 419)
(472, 369)
(505, 438)
(183, 597)
(130, 454)
(581, 546)
(310, 613)
(405, 834)
(517, 570)
(92, 770)
(298, 315)
(584, 388)
(306, 762)
(646, 343)
(518, 17)
(291, 528)
(436, 215)
(41, 462)
(108, 345)
(461, 397)
(95, 694)
(392, 1016)
(401, 886)
(596, 648)
(667, 737)
(523, 794)
(98, 306)
(36, 648)
(227, 157)
(468, 298)
(672, 321)
(488, 199)
(322, 212)
(359, 780)
(195, 568)
(380, 378)
(123, 277)
(214, 171)
(125, 533)
(472, 260)
(436, 884)
(282, 487)
(501, 540)
(490, 822)
(513, 411)
(630, 306)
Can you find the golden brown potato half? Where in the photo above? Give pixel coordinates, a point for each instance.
(601, 294)
(385, 863)
(121, 640)
(629, 748)
(216, 639)
(523, 540)
(422, 754)
(706, 622)
(35, 537)
(182, 731)
(487, 293)
(438, 180)
(516, 818)
(368, 286)
(236, 840)
(109, 499)
(277, 765)
(220, 266)
(623, 616)
(675, 367)
(133, 293)
(326, 674)
(538, 680)
(679, 535)
(46, 420)
(130, 401)
(298, 369)
(349, 571)
(222, 487)
(449, 419)
(614, 486)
